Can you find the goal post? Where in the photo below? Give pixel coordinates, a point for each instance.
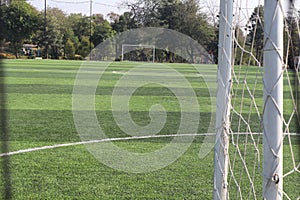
(223, 101)
(273, 101)
(257, 116)
(133, 47)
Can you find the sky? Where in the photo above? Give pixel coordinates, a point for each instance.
(106, 6)
(81, 6)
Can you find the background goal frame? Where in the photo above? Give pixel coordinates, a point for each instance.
(140, 46)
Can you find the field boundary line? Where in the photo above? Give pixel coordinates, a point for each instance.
(22, 151)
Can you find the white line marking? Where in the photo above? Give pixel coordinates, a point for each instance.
(97, 141)
(114, 139)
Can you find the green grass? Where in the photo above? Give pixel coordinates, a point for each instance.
(39, 95)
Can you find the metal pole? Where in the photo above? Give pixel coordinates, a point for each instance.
(223, 100)
(45, 30)
(273, 97)
(122, 59)
(91, 13)
(153, 54)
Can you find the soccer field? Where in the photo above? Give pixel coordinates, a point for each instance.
(39, 102)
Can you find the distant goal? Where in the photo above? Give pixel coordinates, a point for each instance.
(138, 53)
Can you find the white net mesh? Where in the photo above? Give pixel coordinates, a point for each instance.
(142, 53)
(249, 113)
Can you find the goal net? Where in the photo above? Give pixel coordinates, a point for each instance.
(257, 141)
(140, 52)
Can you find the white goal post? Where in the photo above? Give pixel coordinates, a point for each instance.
(258, 96)
(137, 46)
(223, 101)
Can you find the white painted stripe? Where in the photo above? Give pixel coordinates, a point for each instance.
(117, 139)
(97, 141)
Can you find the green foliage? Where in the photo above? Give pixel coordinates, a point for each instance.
(293, 37)
(144, 13)
(70, 49)
(2, 24)
(256, 32)
(241, 58)
(182, 16)
(123, 23)
(85, 46)
(102, 31)
(19, 22)
(81, 25)
(54, 35)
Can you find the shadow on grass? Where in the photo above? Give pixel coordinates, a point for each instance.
(7, 193)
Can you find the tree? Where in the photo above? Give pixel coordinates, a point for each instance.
(69, 49)
(51, 37)
(81, 25)
(185, 17)
(124, 22)
(85, 46)
(256, 32)
(98, 19)
(145, 13)
(2, 23)
(212, 10)
(57, 30)
(292, 38)
(170, 14)
(19, 20)
(69, 37)
(241, 58)
(102, 32)
(113, 17)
